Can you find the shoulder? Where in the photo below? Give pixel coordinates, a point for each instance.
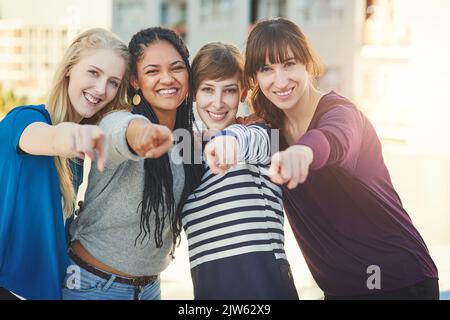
(19, 118)
(115, 118)
(29, 113)
(333, 105)
(38, 110)
(114, 115)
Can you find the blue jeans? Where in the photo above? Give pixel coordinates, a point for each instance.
(80, 284)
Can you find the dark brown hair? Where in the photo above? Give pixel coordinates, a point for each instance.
(272, 38)
(217, 61)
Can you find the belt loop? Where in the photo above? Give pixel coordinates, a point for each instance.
(109, 283)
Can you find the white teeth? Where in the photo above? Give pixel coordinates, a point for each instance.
(167, 91)
(91, 98)
(283, 93)
(217, 116)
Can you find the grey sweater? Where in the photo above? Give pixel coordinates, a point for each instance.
(110, 220)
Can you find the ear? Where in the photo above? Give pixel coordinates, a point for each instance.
(134, 83)
(244, 94)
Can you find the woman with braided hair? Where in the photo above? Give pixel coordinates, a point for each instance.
(128, 227)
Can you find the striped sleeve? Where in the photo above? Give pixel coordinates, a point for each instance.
(254, 142)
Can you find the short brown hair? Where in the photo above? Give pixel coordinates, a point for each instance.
(217, 61)
(273, 38)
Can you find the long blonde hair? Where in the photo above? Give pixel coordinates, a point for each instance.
(59, 105)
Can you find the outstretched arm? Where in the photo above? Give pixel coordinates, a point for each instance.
(131, 137)
(336, 141)
(238, 143)
(147, 139)
(65, 139)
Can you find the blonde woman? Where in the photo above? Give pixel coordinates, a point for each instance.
(37, 142)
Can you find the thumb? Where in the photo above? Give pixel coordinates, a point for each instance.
(275, 164)
(275, 169)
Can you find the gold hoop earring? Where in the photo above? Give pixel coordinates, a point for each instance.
(136, 99)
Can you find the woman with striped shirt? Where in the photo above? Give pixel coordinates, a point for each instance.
(234, 221)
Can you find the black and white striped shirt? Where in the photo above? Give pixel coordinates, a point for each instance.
(237, 216)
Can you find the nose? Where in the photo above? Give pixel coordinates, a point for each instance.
(218, 100)
(281, 79)
(166, 78)
(100, 87)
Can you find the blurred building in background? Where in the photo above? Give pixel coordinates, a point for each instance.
(389, 56)
(35, 34)
(29, 55)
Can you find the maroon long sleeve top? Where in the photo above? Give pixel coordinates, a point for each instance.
(347, 216)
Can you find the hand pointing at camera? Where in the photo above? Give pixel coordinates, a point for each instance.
(147, 139)
(291, 166)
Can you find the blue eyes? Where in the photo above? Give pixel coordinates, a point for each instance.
(210, 90)
(96, 74)
(285, 65)
(115, 84)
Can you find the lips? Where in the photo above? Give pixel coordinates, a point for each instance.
(167, 91)
(217, 116)
(284, 93)
(91, 98)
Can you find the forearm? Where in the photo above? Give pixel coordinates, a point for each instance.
(115, 125)
(40, 138)
(337, 138)
(254, 143)
(319, 145)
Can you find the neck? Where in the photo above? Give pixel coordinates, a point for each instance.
(304, 110)
(167, 117)
(73, 115)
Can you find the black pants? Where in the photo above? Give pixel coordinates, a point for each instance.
(425, 290)
(6, 295)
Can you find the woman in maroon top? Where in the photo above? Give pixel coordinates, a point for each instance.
(348, 220)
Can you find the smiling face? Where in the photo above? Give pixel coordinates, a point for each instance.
(162, 77)
(94, 81)
(218, 101)
(284, 82)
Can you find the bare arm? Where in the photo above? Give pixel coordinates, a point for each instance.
(66, 139)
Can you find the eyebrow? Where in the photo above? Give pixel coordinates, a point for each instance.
(97, 68)
(227, 86)
(157, 65)
(284, 61)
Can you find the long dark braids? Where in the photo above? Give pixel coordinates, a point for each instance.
(158, 198)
